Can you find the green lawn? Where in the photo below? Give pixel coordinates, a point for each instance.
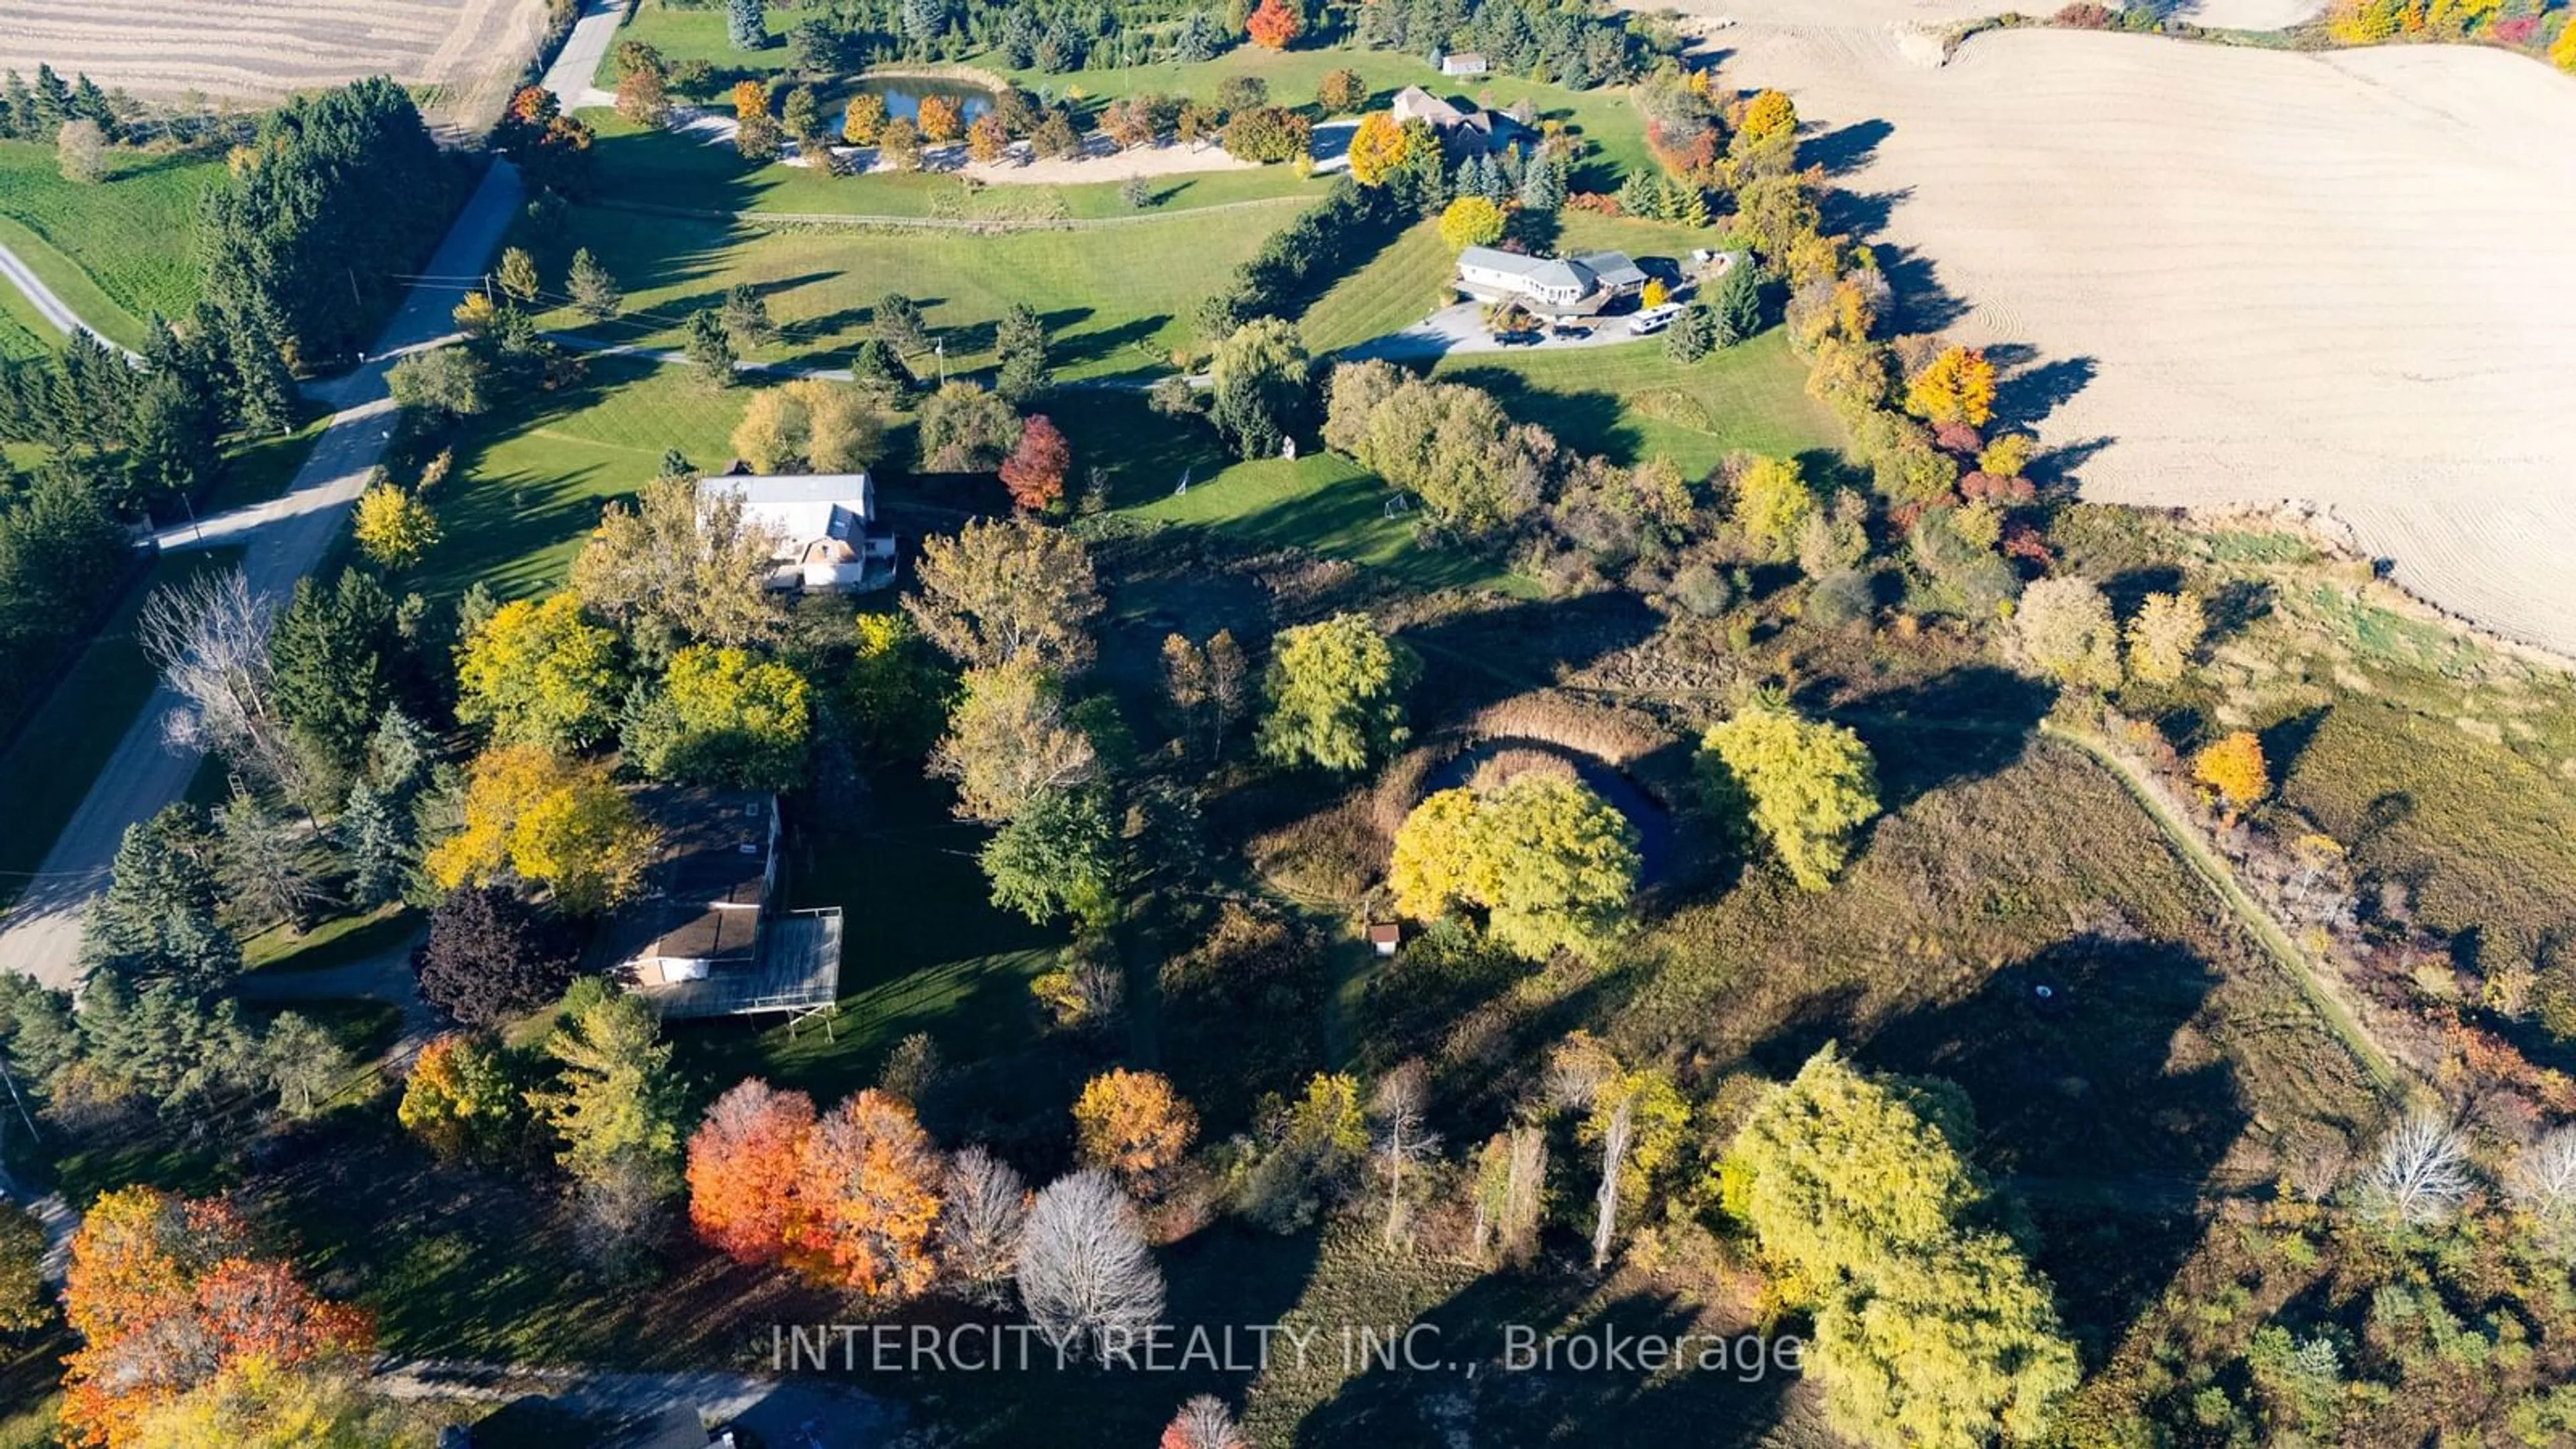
(657, 167)
(699, 34)
(1319, 502)
(66, 741)
(924, 953)
(1630, 402)
(530, 477)
(341, 941)
(23, 334)
(1116, 300)
(1603, 117)
(116, 251)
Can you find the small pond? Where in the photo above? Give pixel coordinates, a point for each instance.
(1653, 822)
(904, 94)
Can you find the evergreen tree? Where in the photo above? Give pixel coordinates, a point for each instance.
(1692, 334)
(1543, 185)
(340, 658)
(377, 844)
(1021, 342)
(261, 861)
(594, 292)
(746, 317)
(263, 390)
(746, 24)
(157, 917)
(710, 348)
(1739, 302)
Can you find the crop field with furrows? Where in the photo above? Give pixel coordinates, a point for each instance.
(461, 56)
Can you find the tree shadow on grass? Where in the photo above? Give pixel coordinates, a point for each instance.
(1526, 1392)
(1476, 659)
(1590, 422)
(2096, 1099)
(1964, 725)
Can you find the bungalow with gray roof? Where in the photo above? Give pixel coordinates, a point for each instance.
(1559, 286)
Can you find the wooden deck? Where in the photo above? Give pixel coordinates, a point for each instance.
(798, 971)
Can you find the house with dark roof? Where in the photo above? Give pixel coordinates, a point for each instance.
(704, 937)
(1576, 286)
(824, 524)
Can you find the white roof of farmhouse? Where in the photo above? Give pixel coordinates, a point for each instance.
(804, 506)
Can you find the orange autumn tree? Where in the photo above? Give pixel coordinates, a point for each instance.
(867, 1199)
(1035, 470)
(167, 1298)
(1274, 25)
(743, 1166)
(1135, 1125)
(2234, 767)
(941, 118)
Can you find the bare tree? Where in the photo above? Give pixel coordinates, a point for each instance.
(1510, 1173)
(209, 639)
(1084, 1269)
(2421, 1174)
(1203, 1423)
(2542, 1182)
(1614, 1152)
(1229, 681)
(980, 1230)
(1403, 1098)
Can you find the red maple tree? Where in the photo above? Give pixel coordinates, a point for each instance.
(1036, 469)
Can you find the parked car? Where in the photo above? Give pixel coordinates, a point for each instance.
(1520, 339)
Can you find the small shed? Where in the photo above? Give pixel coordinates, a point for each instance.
(1385, 936)
(1465, 62)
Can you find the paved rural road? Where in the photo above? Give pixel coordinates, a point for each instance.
(51, 307)
(782, 1412)
(282, 541)
(577, 64)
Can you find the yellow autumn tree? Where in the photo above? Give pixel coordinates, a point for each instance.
(1772, 502)
(867, 1198)
(559, 822)
(1957, 386)
(538, 673)
(394, 528)
(2562, 51)
(2234, 767)
(1471, 221)
(1378, 147)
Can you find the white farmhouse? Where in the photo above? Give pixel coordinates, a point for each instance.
(825, 524)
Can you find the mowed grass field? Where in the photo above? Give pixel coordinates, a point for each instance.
(116, 251)
(1116, 300)
(530, 476)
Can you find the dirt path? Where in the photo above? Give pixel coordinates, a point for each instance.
(2322, 991)
(283, 539)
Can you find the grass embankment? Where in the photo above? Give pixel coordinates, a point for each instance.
(1115, 300)
(116, 251)
(67, 738)
(647, 166)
